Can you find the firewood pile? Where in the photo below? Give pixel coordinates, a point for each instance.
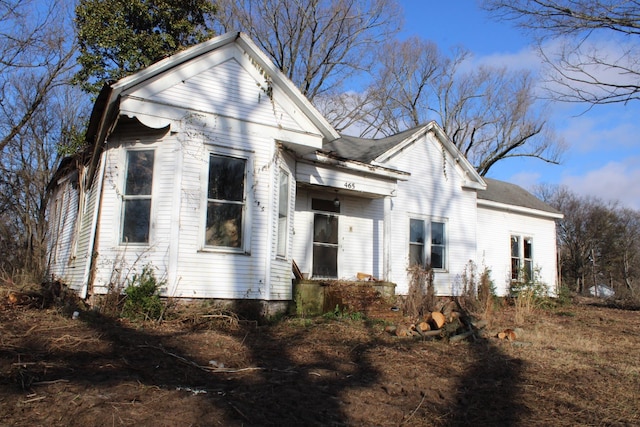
(449, 322)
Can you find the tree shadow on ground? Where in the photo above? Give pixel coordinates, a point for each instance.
(489, 391)
(282, 389)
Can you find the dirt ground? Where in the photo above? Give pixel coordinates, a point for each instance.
(573, 365)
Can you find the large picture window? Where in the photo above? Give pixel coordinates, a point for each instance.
(225, 202)
(427, 243)
(136, 207)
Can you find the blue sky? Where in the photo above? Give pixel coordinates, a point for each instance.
(603, 144)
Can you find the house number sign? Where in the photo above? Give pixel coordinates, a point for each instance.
(350, 185)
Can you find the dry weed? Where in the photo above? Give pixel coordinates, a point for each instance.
(421, 297)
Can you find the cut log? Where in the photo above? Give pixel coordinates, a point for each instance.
(460, 337)
(364, 276)
(402, 331)
(436, 333)
(508, 334)
(438, 319)
(479, 324)
(448, 308)
(452, 328)
(423, 327)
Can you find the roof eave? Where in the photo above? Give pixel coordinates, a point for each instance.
(357, 166)
(519, 209)
(472, 177)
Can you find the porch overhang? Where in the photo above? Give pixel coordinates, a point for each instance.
(348, 176)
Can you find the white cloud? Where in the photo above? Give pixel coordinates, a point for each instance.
(615, 181)
(525, 180)
(606, 128)
(526, 58)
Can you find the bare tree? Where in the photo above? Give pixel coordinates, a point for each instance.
(489, 113)
(34, 50)
(318, 44)
(598, 241)
(628, 255)
(595, 56)
(36, 63)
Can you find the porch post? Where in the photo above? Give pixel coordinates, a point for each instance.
(386, 240)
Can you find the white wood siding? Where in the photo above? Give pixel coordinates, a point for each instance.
(495, 228)
(434, 191)
(183, 162)
(280, 268)
(360, 233)
(71, 263)
(62, 218)
(215, 104)
(116, 263)
(227, 89)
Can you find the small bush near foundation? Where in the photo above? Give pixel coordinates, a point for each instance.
(142, 296)
(529, 294)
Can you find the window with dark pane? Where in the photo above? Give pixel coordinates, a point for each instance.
(325, 245)
(515, 257)
(528, 257)
(136, 215)
(416, 242)
(225, 201)
(437, 245)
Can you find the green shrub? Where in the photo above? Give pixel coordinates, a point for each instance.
(343, 314)
(529, 294)
(142, 296)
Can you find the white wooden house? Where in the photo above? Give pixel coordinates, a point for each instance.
(516, 234)
(213, 168)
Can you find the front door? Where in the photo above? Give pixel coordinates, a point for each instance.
(325, 238)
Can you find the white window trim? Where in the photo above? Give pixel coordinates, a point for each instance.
(427, 244)
(521, 258)
(152, 196)
(247, 215)
(324, 196)
(280, 256)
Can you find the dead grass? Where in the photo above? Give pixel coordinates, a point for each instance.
(572, 365)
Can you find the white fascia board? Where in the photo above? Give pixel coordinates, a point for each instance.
(160, 114)
(382, 158)
(343, 181)
(173, 61)
(470, 173)
(288, 87)
(359, 167)
(518, 209)
(471, 177)
(248, 46)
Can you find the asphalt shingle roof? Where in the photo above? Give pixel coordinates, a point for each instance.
(365, 149)
(511, 194)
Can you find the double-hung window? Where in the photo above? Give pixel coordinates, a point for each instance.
(521, 257)
(427, 243)
(226, 202)
(136, 198)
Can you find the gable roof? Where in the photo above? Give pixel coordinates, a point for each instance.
(365, 149)
(105, 109)
(378, 151)
(505, 193)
